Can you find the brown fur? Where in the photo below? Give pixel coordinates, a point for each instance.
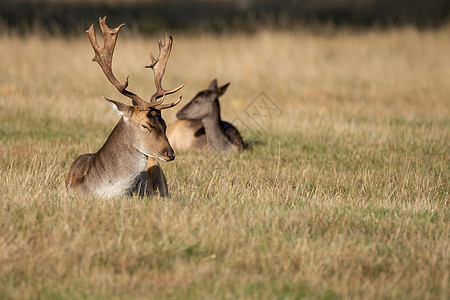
(190, 134)
(126, 162)
(200, 125)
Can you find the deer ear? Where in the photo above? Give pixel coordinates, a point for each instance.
(120, 108)
(222, 89)
(213, 85)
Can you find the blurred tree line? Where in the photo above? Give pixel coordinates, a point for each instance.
(73, 16)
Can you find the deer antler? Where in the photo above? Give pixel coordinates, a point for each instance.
(103, 56)
(159, 67)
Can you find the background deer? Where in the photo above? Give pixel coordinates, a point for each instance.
(201, 127)
(127, 161)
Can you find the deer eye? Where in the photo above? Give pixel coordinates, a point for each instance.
(146, 127)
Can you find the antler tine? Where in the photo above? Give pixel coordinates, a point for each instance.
(103, 56)
(159, 67)
(169, 105)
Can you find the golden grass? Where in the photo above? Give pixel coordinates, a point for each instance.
(343, 195)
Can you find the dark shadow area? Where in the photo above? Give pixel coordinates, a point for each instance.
(72, 17)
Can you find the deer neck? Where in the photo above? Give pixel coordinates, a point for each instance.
(119, 159)
(217, 140)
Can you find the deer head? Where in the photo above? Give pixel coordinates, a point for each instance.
(204, 104)
(144, 126)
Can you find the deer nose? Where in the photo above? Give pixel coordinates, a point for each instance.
(170, 155)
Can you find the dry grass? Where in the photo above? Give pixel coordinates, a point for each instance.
(344, 195)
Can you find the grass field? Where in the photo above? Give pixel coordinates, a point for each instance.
(344, 195)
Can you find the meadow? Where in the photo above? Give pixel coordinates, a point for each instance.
(342, 194)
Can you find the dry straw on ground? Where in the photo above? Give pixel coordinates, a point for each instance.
(343, 195)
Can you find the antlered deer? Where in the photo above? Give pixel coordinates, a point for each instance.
(201, 127)
(127, 161)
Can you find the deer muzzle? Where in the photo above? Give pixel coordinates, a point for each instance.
(168, 154)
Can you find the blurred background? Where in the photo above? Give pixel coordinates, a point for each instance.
(218, 16)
